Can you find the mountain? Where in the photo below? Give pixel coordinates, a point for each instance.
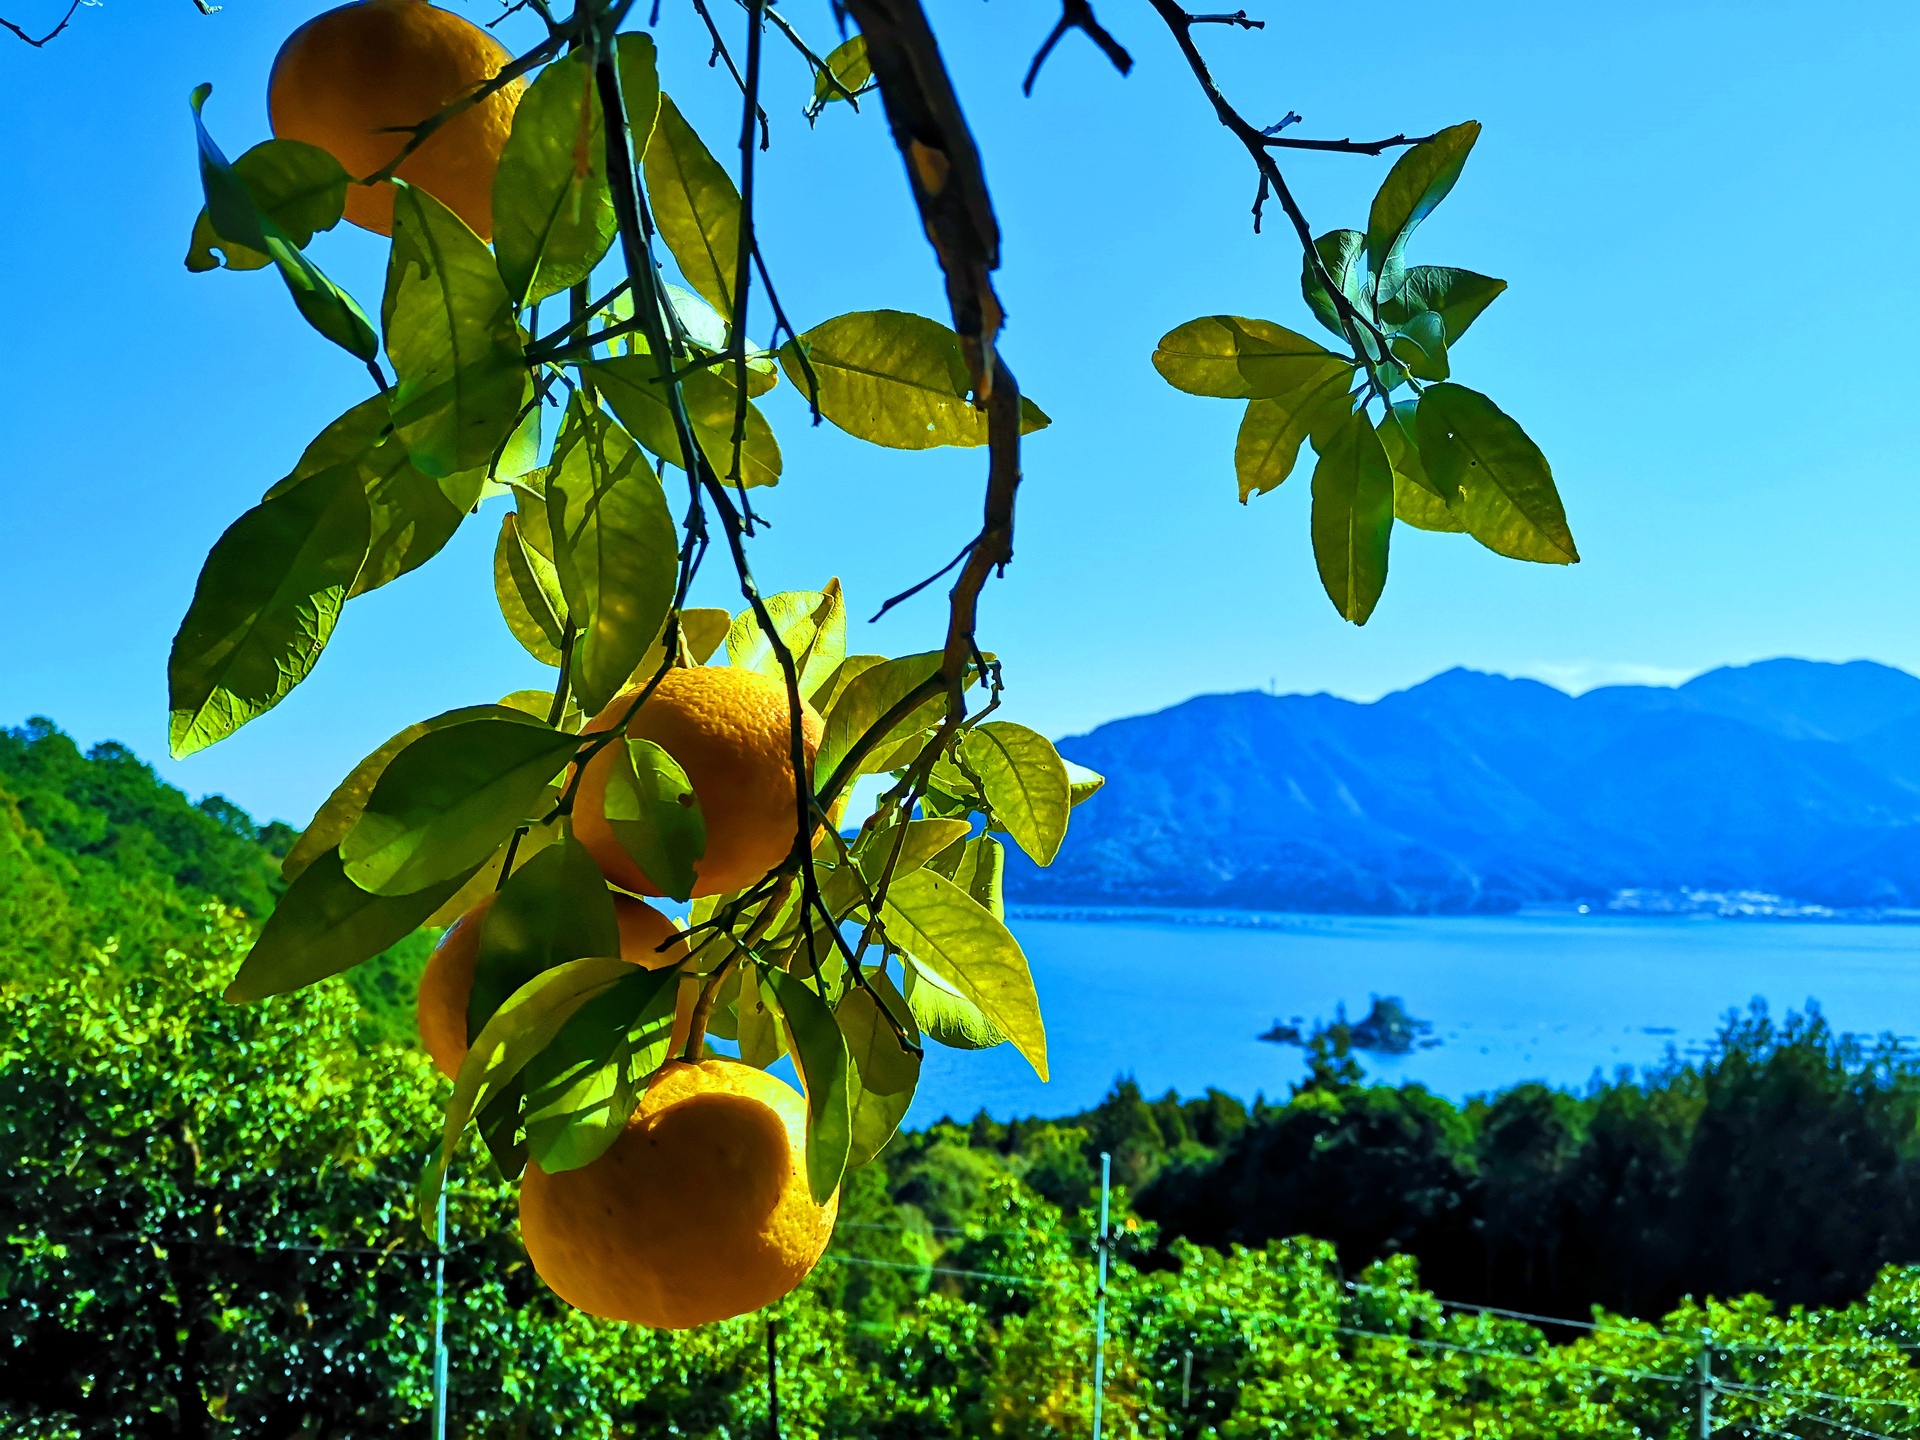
(1478, 793)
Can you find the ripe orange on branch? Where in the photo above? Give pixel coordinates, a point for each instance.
(700, 1211)
(354, 80)
(447, 982)
(731, 731)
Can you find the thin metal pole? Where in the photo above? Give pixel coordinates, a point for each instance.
(440, 1322)
(773, 1374)
(1100, 1300)
(1706, 1383)
(1186, 1381)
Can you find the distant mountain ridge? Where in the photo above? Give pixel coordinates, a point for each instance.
(1478, 793)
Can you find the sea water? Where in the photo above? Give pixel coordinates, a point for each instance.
(1177, 999)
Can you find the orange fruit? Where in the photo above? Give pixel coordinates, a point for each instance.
(352, 80)
(700, 1211)
(447, 982)
(730, 731)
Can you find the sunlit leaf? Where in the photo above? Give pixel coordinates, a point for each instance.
(946, 1016)
(528, 589)
(325, 924)
(1082, 782)
(340, 809)
(631, 386)
(235, 217)
(447, 799)
(265, 604)
(653, 813)
(531, 840)
(519, 1030)
(695, 205)
(951, 936)
(812, 624)
(1415, 498)
(704, 630)
(1353, 518)
(884, 1072)
(452, 337)
(552, 212)
(1272, 431)
(554, 909)
(581, 1090)
(616, 549)
(820, 1055)
(298, 187)
(1456, 296)
(1231, 358)
(1025, 782)
(1341, 252)
(895, 379)
(847, 73)
(1420, 345)
(866, 699)
(1420, 179)
(1497, 483)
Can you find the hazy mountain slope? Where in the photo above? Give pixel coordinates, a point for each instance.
(1476, 792)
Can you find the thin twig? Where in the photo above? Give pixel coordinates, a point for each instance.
(720, 52)
(914, 590)
(65, 20)
(418, 135)
(1345, 147)
(1078, 15)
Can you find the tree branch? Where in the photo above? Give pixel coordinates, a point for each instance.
(1078, 15)
(65, 20)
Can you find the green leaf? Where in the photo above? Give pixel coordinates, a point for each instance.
(234, 216)
(1456, 296)
(325, 924)
(755, 1028)
(1026, 783)
(265, 604)
(1353, 518)
(1419, 180)
(631, 386)
(1340, 251)
(412, 515)
(812, 624)
(653, 813)
(946, 1016)
(1272, 431)
(703, 630)
(948, 934)
(636, 56)
(1420, 346)
(553, 909)
(868, 697)
(1497, 483)
(519, 1030)
(552, 212)
(452, 337)
(924, 840)
(978, 867)
(846, 63)
(528, 589)
(1231, 358)
(695, 205)
(820, 1055)
(298, 187)
(340, 809)
(616, 549)
(1415, 498)
(1082, 782)
(895, 379)
(581, 1090)
(884, 1072)
(448, 799)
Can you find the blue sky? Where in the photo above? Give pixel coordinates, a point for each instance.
(1705, 213)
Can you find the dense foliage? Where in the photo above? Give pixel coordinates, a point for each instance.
(208, 1231)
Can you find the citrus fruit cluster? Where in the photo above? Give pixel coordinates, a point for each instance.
(658, 1184)
(700, 1210)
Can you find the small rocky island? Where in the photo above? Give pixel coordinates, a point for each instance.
(1387, 1029)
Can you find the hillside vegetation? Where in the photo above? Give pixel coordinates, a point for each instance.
(208, 1225)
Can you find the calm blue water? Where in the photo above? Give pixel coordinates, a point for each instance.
(1511, 998)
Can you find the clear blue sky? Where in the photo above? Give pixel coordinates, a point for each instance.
(1706, 214)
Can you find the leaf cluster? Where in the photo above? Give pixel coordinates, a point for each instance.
(1445, 459)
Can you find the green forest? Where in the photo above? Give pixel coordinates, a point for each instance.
(209, 1226)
